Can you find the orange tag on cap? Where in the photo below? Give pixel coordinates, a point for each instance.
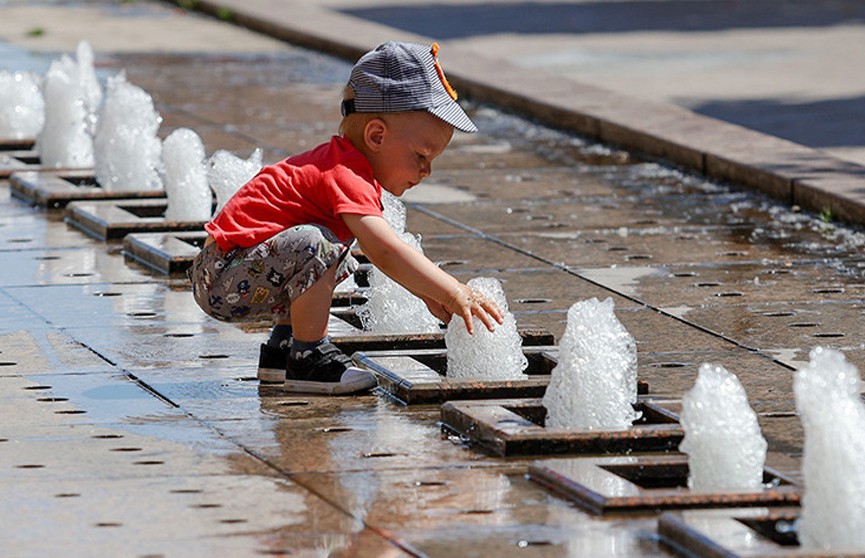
(441, 73)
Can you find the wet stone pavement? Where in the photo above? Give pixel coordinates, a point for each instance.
(133, 426)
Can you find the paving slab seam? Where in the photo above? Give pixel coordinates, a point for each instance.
(793, 173)
(575, 273)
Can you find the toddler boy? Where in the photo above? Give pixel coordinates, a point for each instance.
(282, 243)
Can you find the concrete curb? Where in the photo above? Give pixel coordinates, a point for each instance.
(721, 151)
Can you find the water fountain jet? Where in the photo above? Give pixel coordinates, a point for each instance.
(127, 151)
(22, 106)
(827, 393)
(390, 308)
(72, 95)
(594, 386)
(189, 197)
(226, 173)
(486, 355)
(726, 451)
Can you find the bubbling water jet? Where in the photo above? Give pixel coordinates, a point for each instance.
(726, 450)
(594, 385)
(390, 308)
(226, 173)
(22, 106)
(490, 355)
(72, 95)
(189, 195)
(833, 460)
(127, 150)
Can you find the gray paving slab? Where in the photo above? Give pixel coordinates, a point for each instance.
(30, 345)
(737, 283)
(788, 332)
(138, 304)
(561, 289)
(73, 264)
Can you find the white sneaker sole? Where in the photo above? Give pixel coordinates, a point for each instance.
(271, 375)
(360, 380)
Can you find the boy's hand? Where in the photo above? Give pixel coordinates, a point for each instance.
(437, 309)
(468, 302)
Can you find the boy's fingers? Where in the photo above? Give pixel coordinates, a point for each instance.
(467, 318)
(485, 318)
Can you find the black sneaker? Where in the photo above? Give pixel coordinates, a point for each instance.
(326, 369)
(271, 364)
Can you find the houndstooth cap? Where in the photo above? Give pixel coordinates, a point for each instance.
(399, 77)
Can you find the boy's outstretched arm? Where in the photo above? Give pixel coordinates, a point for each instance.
(414, 271)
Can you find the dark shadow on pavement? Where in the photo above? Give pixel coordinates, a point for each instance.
(818, 124)
(442, 22)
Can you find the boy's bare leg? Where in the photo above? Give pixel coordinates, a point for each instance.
(310, 312)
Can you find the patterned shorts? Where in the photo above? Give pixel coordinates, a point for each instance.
(261, 281)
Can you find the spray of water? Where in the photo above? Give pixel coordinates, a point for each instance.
(390, 308)
(189, 195)
(22, 107)
(226, 173)
(726, 450)
(594, 384)
(833, 461)
(72, 96)
(486, 355)
(127, 149)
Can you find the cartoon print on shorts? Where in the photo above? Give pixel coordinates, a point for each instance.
(274, 277)
(273, 247)
(260, 295)
(243, 288)
(256, 268)
(239, 311)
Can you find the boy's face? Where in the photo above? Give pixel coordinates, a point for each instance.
(406, 148)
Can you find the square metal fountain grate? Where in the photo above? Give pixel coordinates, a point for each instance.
(16, 144)
(18, 160)
(418, 376)
(648, 483)
(347, 321)
(509, 427)
(168, 253)
(738, 533)
(57, 188)
(114, 219)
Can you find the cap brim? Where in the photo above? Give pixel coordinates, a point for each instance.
(454, 115)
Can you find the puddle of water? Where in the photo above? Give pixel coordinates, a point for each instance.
(625, 280)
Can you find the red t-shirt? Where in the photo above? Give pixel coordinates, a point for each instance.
(315, 187)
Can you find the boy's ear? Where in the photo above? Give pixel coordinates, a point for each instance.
(374, 133)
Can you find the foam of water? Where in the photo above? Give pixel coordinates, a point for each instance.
(72, 96)
(726, 450)
(189, 195)
(833, 461)
(226, 173)
(127, 149)
(390, 308)
(594, 385)
(393, 211)
(496, 355)
(22, 107)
